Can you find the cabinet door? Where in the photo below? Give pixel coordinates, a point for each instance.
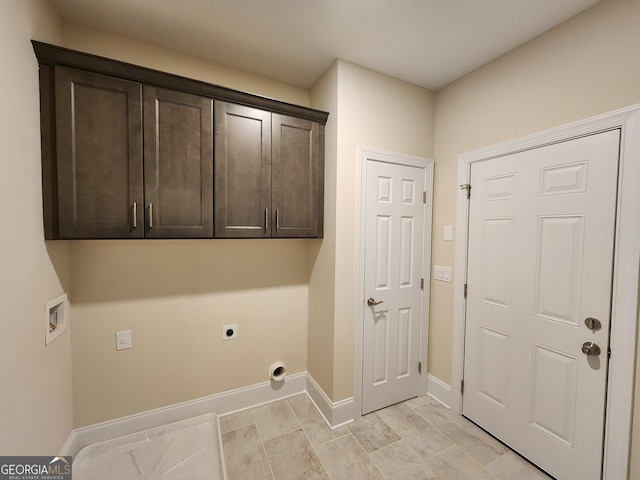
(242, 172)
(99, 155)
(178, 162)
(296, 184)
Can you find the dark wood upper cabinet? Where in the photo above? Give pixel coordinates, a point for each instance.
(242, 171)
(99, 152)
(130, 152)
(267, 174)
(178, 164)
(296, 177)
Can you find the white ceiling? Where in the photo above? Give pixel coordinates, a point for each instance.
(426, 42)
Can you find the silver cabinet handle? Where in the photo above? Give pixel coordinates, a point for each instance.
(277, 219)
(266, 219)
(372, 303)
(151, 215)
(135, 214)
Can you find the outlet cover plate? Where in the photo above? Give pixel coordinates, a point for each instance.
(229, 332)
(123, 340)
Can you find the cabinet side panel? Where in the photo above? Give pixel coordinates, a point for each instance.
(48, 149)
(321, 152)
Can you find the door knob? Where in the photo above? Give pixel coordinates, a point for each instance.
(590, 348)
(372, 303)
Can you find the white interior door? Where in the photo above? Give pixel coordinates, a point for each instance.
(541, 238)
(393, 259)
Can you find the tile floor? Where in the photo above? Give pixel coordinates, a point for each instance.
(418, 439)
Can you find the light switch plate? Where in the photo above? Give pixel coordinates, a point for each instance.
(123, 340)
(442, 273)
(448, 233)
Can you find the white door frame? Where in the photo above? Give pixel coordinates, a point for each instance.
(366, 154)
(624, 315)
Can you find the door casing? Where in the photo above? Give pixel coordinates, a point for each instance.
(366, 154)
(626, 272)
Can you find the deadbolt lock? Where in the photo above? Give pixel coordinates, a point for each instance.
(593, 324)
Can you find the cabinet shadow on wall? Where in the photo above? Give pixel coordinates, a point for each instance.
(59, 256)
(106, 270)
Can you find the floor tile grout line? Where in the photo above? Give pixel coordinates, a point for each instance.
(320, 458)
(313, 447)
(475, 461)
(437, 429)
(452, 440)
(498, 459)
(469, 422)
(315, 408)
(369, 454)
(391, 428)
(431, 423)
(310, 420)
(264, 450)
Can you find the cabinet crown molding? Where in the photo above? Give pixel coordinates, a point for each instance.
(48, 54)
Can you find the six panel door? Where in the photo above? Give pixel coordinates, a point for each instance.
(541, 239)
(393, 271)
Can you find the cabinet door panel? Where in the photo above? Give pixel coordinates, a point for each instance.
(295, 177)
(178, 163)
(242, 171)
(99, 155)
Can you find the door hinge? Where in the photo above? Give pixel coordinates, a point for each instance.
(461, 387)
(419, 367)
(467, 187)
(609, 352)
(424, 197)
(422, 283)
(465, 291)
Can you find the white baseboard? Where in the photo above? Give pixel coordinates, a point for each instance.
(335, 414)
(221, 404)
(439, 390)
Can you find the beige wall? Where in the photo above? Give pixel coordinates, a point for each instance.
(175, 296)
(324, 95)
(375, 111)
(35, 403)
(380, 112)
(293, 300)
(586, 66)
(125, 49)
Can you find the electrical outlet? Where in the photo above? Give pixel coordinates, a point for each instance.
(229, 332)
(123, 340)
